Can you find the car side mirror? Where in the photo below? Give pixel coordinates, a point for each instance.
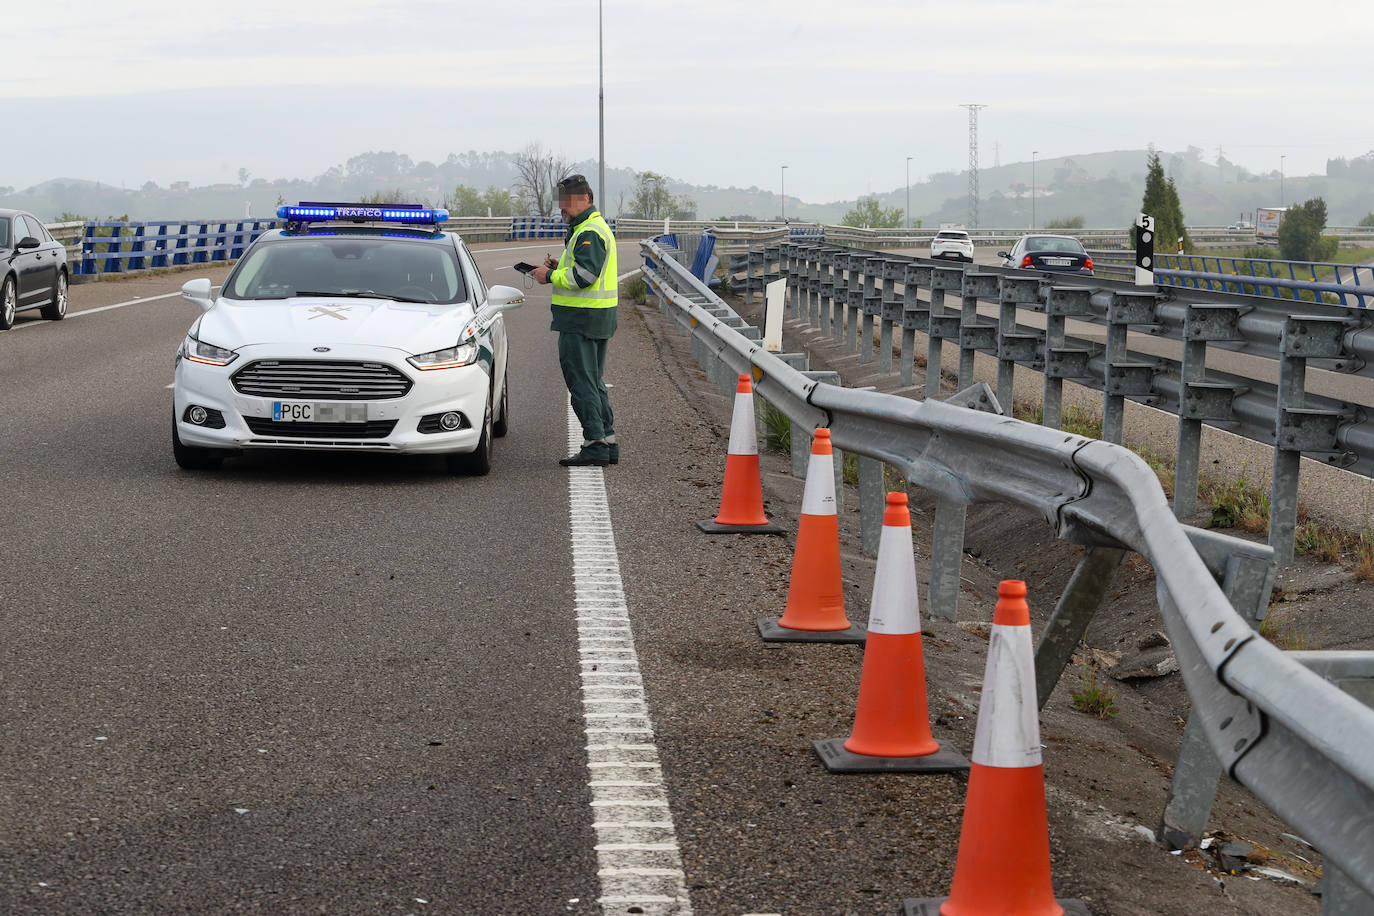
(27, 242)
(198, 291)
(1003, 254)
(505, 297)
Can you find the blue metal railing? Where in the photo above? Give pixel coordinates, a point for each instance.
(1199, 272)
(1350, 285)
(116, 247)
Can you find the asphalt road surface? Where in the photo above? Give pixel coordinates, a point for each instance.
(300, 682)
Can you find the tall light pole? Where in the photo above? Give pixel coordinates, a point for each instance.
(1034, 153)
(908, 193)
(784, 195)
(601, 108)
(1281, 158)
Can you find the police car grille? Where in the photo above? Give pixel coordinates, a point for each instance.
(372, 429)
(321, 380)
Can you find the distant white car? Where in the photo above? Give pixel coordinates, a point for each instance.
(952, 243)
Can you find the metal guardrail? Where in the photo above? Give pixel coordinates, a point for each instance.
(864, 285)
(1350, 284)
(1295, 739)
(124, 247)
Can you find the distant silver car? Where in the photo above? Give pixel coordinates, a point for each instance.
(1058, 253)
(33, 269)
(952, 243)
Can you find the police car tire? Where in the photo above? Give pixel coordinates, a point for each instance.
(191, 458)
(502, 424)
(476, 463)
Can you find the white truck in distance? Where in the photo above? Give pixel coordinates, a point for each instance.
(1267, 220)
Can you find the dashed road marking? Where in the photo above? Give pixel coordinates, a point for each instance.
(638, 861)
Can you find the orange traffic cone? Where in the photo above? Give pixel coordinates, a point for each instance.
(741, 498)
(1004, 846)
(815, 598)
(891, 726)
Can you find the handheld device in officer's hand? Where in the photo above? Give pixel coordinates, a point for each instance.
(524, 268)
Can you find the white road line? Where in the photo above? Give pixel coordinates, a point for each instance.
(103, 308)
(641, 871)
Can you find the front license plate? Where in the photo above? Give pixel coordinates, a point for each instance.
(318, 412)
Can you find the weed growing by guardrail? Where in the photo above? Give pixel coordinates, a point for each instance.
(1080, 421)
(777, 426)
(1093, 696)
(1283, 629)
(1238, 504)
(634, 289)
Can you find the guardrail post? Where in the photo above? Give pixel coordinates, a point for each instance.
(815, 311)
(840, 304)
(1067, 625)
(1014, 291)
(853, 303)
(88, 261)
(1246, 582)
(825, 283)
(872, 497)
(136, 257)
(946, 558)
(974, 333)
(872, 306)
(1062, 362)
(940, 326)
(891, 313)
(1124, 377)
(1297, 428)
(1198, 400)
(915, 316)
(749, 274)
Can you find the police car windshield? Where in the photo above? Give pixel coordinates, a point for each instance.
(354, 266)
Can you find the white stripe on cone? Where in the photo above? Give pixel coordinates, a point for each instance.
(1008, 732)
(742, 439)
(895, 610)
(819, 496)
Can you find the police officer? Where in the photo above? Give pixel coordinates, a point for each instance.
(584, 315)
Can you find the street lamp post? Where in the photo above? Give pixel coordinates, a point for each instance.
(601, 109)
(1281, 158)
(784, 195)
(1034, 153)
(908, 193)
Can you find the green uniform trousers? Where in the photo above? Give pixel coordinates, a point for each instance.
(583, 361)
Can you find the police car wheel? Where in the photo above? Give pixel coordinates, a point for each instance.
(476, 463)
(502, 424)
(190, 458)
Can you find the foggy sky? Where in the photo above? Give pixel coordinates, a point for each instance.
(709, 91)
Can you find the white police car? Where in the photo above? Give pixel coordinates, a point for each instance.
(354, 328)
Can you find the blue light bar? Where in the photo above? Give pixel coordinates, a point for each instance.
(319, 213)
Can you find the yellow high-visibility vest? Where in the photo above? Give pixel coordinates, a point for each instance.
(603, 293)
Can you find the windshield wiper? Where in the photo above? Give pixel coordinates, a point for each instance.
(363, 294)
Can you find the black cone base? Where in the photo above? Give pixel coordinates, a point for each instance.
(930, 906)
(711, 527)
(838, 760)
(772, 632)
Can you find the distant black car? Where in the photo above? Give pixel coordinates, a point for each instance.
(33, 269)
(1058, 253)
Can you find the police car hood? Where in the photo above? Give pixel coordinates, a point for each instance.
(323, 321)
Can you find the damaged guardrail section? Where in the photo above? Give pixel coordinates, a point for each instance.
(1276, 722)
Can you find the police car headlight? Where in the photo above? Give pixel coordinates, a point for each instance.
(464, 354)
(198, 351)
